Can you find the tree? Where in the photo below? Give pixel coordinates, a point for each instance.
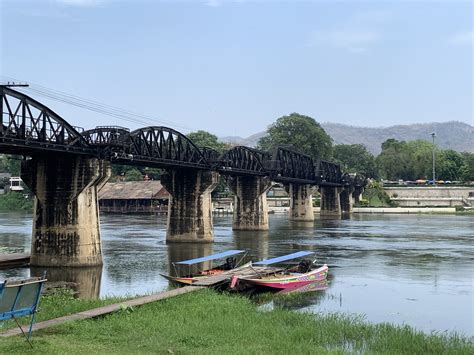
(206, 139)
(355, 158)
(420, 155)
(298, 132)
(133, 175)
(467, 170)
(394, 161)
(10, 164)
(414, 160)
(450, 165)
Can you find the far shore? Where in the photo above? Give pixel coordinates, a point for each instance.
(392, 210)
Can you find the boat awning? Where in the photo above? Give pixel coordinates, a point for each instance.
(211, 257)
(279, 259)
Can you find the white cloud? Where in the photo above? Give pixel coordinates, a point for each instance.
(352, 40)
(466, 37)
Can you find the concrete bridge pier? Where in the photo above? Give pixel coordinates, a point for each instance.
(66, 228)
(250, 202)
(189, 206)
(330, 200)
(346, 199)
(357, 194)
(301, 202)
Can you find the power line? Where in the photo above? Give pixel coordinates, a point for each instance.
(95, 106)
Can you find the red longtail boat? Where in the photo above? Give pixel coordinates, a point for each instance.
(303, 274)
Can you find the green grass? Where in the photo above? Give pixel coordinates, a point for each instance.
(206, 322)
(58, 303)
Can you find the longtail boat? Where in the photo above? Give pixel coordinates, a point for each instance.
(194, 275)
(295, 277)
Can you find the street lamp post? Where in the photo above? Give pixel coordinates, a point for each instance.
(433, 135)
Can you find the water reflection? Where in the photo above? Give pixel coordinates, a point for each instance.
(256, 243)
(180, 251)
(300, 224)
(84, 281)
(308, 296)
(347, 216)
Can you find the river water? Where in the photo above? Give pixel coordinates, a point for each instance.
(404, 269)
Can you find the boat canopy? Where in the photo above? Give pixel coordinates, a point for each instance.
(279, 259)
(211, 257)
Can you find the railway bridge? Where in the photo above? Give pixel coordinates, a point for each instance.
(66, 167)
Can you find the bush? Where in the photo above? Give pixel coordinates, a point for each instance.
(15, 201)
(377, 197)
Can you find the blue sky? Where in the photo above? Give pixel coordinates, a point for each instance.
(233, 67)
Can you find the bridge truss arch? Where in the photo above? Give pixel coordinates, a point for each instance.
(360, 180)
(161, 147)
(329, 173)
(27, 126)
(242, 160)
(106, 136)
(291, 166)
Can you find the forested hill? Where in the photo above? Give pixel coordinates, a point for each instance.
(454, 135)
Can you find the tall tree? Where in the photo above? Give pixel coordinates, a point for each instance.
(450, 165)
(394, 162)
(298, 132)
(467, 170)
(206, 139)
(355, 158)
(420, 153)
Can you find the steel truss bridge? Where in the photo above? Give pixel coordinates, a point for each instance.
(31, 128)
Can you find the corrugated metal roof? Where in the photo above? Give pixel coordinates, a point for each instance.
(133, 190)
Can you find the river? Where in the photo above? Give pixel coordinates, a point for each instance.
(404, 269)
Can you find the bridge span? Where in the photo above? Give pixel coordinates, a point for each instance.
(65, 168)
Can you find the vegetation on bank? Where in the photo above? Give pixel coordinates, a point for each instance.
(208, 322)
(15, 201)
(375, 196)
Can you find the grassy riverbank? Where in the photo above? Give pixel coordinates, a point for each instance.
(57, 303)
(208, 322)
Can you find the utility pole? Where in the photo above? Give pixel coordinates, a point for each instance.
(433, 135)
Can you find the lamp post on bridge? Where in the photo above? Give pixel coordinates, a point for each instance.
(433, 135)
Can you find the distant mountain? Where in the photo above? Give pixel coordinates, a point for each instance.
(454, 135)
(249, 141)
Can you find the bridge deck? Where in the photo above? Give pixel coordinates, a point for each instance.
(248, 271)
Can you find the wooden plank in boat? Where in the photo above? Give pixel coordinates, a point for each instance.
(241, 272)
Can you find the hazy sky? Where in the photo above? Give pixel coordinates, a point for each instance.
(233, 67)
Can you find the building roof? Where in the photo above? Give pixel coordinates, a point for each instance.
(133, 190)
